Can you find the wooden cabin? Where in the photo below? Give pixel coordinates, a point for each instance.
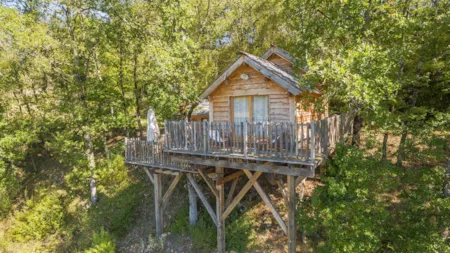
(259, 89)
(261, 120)
(201, 111)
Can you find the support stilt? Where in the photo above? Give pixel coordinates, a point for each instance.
(291, 214)
(158, 205)
(220, 206)
(193, 211)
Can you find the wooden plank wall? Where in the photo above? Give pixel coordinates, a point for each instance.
(305, 108)
(257, 84)
(281, 62)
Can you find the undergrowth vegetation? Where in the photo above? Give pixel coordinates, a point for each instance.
(102, 242)
(60, 216)
(368, 205)
(42, 216)
(9, 189)
(239, 229)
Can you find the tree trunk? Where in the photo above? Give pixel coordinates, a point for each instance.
(384, 148)
(122, 89)
(301, 194)
(357, 126)
(137, 95)
(191, 110)
(91, 159)
(80, 70)
(401, 148)
(108, 155)
(193, 210)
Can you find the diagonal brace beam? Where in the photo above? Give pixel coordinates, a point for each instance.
(300, 180)
(283, 189)
(231, 192)
(230, 177)
(149, 174)
(169, 191)
(266, 200)
(208, 181)
(241, 194)
(202, 198)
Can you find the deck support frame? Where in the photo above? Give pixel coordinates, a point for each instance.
(225, 206)
(161, 200)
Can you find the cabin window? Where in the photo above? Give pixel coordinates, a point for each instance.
(260, 108)
(251, 108)
(240, 109)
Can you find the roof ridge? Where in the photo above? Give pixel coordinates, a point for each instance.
(271, 63)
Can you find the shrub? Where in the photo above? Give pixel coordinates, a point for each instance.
(239, 231)
(111, 176)
(203, 234)
(370, 206)
(116, 213)
(102, 242)
(9, 189)
(42, 215)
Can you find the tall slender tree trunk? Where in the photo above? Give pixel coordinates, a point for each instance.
(122, 88)
(91, 159)
(108, 155)
(193, 211)
(137, 94)
(357, 126)
(401, 148)
(80, 70)
(384, 148)
(18, 102)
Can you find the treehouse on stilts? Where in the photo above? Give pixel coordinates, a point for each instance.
(261, 120)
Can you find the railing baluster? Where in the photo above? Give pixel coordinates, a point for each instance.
(313, 154)
(204, 126)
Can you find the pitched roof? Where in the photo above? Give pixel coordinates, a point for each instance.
(274, 49)
(274, 72)
(278, 51)
(202, 109)
(263, 66)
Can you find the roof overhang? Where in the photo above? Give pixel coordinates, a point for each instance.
(222, 77)
(278, 51)
(275, 78)
(258, 67)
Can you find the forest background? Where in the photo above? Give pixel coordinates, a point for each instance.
(77, 76)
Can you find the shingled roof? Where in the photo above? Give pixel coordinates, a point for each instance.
(272, 70)
(266, 68)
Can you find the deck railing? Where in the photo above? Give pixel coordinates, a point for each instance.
(249, 140)
(152, 153)
(263, 141)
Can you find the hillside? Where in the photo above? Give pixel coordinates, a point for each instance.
(77, 77)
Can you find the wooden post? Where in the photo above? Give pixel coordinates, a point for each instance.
(291, 214)
(205, 136)
(220, 206)
(185, 125)
(193, 211)
(313, 145)
(158, 204)
(245, 140)
(341, 128)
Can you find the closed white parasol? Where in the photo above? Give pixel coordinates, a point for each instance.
(152, 126)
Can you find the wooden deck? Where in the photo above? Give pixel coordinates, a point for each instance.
(278, 147)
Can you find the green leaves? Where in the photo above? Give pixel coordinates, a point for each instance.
(369, 206)
(42, 216)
